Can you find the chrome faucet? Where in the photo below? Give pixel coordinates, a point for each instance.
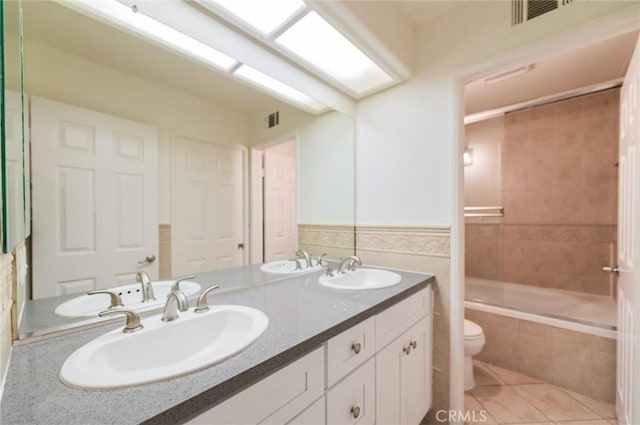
(304, 255)
(115, 300)
(147, 289)
(202, 305)
(320, 259)
(176, 286)
(176, 301)
(133, 320)
(347, 264)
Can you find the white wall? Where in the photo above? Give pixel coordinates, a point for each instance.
(404, 136)
(57, 75)
(325, 158)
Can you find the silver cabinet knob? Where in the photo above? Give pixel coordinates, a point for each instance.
(413, 344)
(356, 348)
(611, 269)
(355, 412)
(407, 350)
(148, 259)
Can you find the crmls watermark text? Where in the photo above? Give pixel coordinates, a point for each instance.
(475, 416)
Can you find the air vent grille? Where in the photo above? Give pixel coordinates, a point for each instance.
(525, 10)
(540, 7)
(273, 119)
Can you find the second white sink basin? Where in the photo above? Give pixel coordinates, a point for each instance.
(131, 296)
(362, 279)
(163, 350)
(289, 267)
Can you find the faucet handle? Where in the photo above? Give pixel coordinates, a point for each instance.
(202, 305)
(329, 272)
(133, 320)
(176, 285)
(115, 301)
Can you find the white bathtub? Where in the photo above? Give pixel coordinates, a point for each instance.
(592, 314)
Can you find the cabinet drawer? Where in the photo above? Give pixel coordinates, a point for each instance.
(392, 322)
(350, 349)
(352, 401)
(276, 399)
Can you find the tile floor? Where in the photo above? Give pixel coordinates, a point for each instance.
(505, 397)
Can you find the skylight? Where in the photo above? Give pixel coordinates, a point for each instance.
(282, 90)
(123, 15)
(321, 45)
(265, 16)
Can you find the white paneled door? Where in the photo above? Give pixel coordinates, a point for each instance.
(628, 362)
(280, 220)
(208, 212)
(95, 199)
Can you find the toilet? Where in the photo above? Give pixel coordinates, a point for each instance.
(473, 343)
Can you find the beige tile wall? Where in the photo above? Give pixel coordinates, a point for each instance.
(573, 360)
(335, 241)
(6, 283)
(164, 251)
(424, 250)
(558, 187)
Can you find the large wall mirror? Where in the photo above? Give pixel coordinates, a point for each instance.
(15, 153)
(145, 160)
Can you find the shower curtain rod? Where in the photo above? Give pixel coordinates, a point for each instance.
(493, 113)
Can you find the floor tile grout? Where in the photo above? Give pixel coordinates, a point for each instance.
(501, 382)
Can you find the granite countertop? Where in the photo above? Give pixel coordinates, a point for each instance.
(302, 315)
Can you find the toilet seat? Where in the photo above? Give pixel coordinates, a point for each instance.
(472, 330)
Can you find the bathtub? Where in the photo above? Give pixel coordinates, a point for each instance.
(587, 313)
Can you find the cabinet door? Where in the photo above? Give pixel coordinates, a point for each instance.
(314, 415)
(404, 367)
(352, 401)
(415, 373)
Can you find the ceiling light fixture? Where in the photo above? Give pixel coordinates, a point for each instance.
(313, 39)
(275, 87)
(265, 16)
(130, 19)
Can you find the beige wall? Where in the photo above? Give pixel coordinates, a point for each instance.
(558, 186)
(335, 241)
(577, 361)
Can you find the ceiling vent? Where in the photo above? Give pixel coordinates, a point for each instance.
(525, 10)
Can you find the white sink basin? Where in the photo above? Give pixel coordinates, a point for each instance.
(289, 267)
(131, 295)
(362, 279)
(163, 350)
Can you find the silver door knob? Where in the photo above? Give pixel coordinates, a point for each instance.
(356, 347)
(148, 259)
(611, 269)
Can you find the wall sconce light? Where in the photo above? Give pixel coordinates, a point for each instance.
(467, 156)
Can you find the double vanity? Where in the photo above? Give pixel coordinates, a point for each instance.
(299, 349)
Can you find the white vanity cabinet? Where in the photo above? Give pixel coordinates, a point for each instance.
(277, 399)
(376, 372)
(404, 369)
(403, 362)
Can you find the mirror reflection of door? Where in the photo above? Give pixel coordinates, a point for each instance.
(207, 206)
(95, 199)
(280, 218)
